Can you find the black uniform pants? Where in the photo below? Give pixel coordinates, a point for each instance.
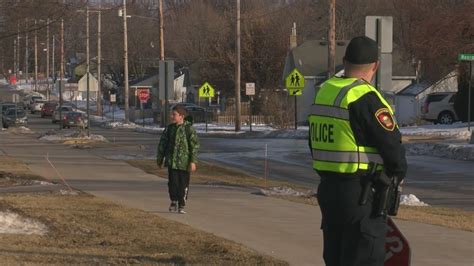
(351, 236)
(178, 185)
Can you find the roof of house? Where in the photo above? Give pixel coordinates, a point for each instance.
(311, 59)
(417, 88)
(153, 79)
(147, 81)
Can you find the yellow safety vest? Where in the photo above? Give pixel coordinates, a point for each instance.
(333, 144)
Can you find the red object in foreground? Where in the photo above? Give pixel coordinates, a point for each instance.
(13, 80)
(397, 249)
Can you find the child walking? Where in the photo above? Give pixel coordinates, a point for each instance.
(178, 149)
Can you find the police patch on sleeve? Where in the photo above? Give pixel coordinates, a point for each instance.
(385, 119)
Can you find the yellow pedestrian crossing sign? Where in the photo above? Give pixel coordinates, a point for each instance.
(294, 83)
(206, 91)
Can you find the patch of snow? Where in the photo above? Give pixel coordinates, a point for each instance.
(455, 131)
(43, 183)
(454, 151)
(12, 223)
(120, 125)
(411, 200)
(65, 192)
(283, 191)
(70, 135)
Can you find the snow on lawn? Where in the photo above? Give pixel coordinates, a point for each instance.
(454, 151)
(456, 130)
(411, 200)
(284, 191)
(71, 135)
(120, 125)
(12, 223)
(260, 131)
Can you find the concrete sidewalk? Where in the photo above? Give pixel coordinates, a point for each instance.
(279, 228)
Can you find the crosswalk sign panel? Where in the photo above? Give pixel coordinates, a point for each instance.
(295, 80)
(206, 91)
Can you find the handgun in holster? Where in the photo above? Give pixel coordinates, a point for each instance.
(386, 199)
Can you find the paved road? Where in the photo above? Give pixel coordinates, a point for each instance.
(279, 228)
(436, 181)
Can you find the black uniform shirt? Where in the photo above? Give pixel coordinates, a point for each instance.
(374, 126)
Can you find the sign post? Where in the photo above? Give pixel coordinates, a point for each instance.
(143, 96)
(295, 83)
(206, 91)
(469, 58)
(113, 100)
(250, 91)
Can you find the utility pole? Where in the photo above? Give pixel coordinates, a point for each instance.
(237, 70)
(61, 75)
(332, 39)
(125, 59)
(15, 67)
(47, 59)
(36, 57)
(99, 59)
(17, 50)
(162, 37)
(87, 70)
(53, 71)
(162, 102)
(26, 53)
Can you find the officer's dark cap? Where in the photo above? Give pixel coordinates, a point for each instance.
(361, 50)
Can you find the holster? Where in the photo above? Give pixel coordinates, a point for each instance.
(386, 198)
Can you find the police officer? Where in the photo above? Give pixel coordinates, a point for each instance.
(352, 125)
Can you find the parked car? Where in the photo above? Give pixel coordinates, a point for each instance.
(439, 108)
(30, 100)
(74, 119)
(64, 109)
(6, 106)
(36, 106)
(197, 112)
(14, 117)
(48, 109)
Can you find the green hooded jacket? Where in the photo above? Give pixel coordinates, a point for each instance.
(178, 146)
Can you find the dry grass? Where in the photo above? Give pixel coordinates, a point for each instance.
(12, 165)
(92, 231)
(208, 173)
(447, 217)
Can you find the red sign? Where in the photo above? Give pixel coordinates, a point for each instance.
(397, 249)
(13, 80)
(143, 95)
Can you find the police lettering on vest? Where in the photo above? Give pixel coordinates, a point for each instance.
(322, 132)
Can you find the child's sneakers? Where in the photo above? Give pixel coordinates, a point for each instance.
(181, 210)
(173, 206)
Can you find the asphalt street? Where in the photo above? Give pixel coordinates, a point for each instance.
(436, 181)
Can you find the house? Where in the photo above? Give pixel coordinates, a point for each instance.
(311, 58)
(151, 82)
(93, 87)
(409, 100)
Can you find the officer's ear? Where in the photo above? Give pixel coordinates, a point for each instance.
(375, 66)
